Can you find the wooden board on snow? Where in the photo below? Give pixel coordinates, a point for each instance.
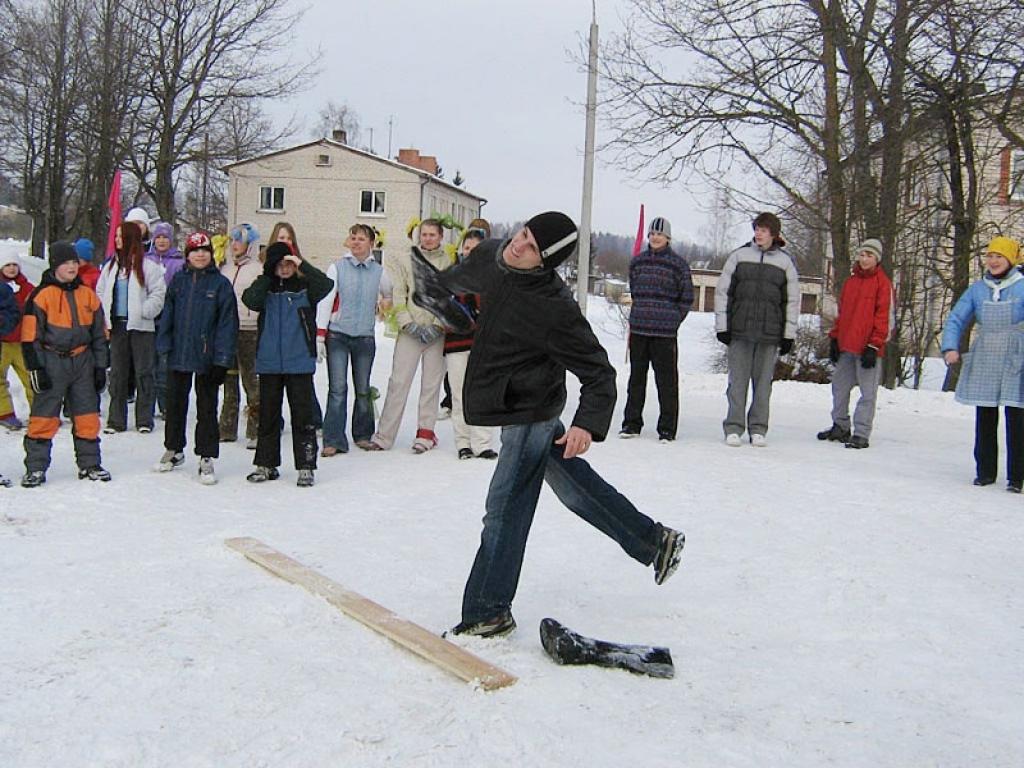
(415, 638)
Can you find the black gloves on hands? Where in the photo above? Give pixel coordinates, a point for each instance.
(833, 350)
(785, 346)
(868, 357)
(99, 378)
(40, 380)
(724, 336)
(217, 374)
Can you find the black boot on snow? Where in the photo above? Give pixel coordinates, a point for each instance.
(835, 433)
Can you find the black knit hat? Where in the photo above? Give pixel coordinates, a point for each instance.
(60, 252)
(275, 255)
(556, 237)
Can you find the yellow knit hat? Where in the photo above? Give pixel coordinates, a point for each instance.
(1005, 247)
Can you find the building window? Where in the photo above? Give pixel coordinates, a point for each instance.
(371, 202)
(271, 198)
(1017, 176)
(323, 160)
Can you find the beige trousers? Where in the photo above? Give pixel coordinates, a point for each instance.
(477, 439)
(409, 352)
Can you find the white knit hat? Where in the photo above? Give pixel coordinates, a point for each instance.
(660, 226)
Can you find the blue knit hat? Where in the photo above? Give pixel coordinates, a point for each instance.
(85, 249)
(245, 233)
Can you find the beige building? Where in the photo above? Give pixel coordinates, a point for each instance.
(323, 187)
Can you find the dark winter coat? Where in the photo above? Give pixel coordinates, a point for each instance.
(63, 319)
(865, 312)
(758, 295)
(12, 303)
(662, 292)
(199, 323)
(530, 331)
(287, 322)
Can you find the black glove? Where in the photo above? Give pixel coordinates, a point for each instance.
(217, 374)
(868, 357)
(99, 378)
(724, 336)
(40, 380)
(833, 350)
(785, 346)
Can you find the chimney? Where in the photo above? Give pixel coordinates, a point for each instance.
(339, 136)
(413, 158)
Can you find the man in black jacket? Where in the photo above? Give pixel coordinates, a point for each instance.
(530, 331)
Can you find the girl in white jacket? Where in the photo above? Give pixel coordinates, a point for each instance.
(131, 289)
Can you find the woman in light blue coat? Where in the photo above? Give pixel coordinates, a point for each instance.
(992, 371)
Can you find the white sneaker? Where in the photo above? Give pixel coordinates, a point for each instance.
(758, 441)
(206, 476)
(170, 460)
(733, 440)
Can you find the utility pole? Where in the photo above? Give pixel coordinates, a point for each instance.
(583, 271)
(371, 141)
(391, 123)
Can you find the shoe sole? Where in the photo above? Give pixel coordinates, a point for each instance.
(675, 558)
(628, 435)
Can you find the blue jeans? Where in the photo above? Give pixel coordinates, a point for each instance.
(529, 457)
(361, 349)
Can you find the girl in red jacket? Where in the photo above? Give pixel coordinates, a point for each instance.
(857, 341)
(10, 345)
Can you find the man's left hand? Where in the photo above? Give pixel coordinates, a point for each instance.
(576, 441)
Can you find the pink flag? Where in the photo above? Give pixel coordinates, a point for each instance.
(114, 206)
(638, 244)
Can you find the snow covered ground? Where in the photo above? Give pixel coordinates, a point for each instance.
(834, 607)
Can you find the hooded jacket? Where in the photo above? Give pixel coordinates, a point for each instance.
(530, 331)
(287, 317)
(172, 261)
(65, 319)
(21, 288)
(199, 323)
(865, 311)
(144, 301)
(241, 273)
(758, 295)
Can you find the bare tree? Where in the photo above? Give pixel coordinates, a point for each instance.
(206, 55)
(337, 117)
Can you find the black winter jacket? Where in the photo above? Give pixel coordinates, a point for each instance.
(529, 332)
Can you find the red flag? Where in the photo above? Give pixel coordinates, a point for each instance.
(114, 206)
(638, 244)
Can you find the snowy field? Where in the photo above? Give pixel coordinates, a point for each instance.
(833, 608)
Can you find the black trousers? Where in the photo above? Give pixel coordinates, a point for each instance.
(132, 360)
(299, 387)
(179, 386)
(986, 443)
(662, 354)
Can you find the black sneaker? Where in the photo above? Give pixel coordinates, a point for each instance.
(263, 474)
(94, 473)
(1014, 486)
(666, 438)
(487, 453)
(835, 433)
(33, 479)
(305, 478)
(857, 442)
(465, 453)
(628, 434)
(499, 626)
(984, 480)
(670, 552)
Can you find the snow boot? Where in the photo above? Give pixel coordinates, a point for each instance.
(33, 479)
(305, 478)
(12, 422)
(670, 552)
(465, 453)
(857, 441)
(94, 473)
(263, 474)
(835, 433)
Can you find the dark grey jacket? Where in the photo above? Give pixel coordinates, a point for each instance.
(758, 295)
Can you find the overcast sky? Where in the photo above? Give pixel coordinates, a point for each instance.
(489, 88)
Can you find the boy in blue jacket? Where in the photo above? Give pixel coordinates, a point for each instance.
(286, 295)
(198, 333)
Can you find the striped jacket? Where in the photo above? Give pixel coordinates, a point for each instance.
(662, 291)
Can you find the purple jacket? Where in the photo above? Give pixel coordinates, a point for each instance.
(172, 262)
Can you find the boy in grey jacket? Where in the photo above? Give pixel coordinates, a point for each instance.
(757, 304)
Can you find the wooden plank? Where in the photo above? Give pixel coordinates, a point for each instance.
(413, 637)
